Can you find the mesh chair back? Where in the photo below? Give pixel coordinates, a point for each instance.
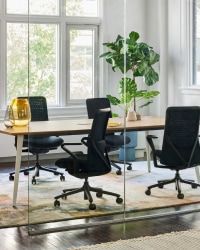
(180, 140)
(97, 156)
(94, 104)
(38, 106)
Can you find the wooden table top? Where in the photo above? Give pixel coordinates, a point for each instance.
(82, 126)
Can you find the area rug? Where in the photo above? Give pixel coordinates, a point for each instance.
(171, 241)
(36, 202)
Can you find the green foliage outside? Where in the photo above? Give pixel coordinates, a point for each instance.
(140, 58)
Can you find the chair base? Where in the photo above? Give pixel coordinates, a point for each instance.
(177, 180)
(86, 189)
(37, 169)
(119, 169)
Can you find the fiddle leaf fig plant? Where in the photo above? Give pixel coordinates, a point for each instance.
(140, 58)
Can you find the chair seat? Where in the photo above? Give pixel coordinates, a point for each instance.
(116, 140)
(159, 154)
(44, 142)
(80, 169)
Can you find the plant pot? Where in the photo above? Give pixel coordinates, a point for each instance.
(138, 116)
(131, 116)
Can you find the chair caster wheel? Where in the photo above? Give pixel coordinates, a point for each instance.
(148, 192)
(33, 181)
(129, 168)
(160, 186)
(56, 203)
(26, 173)
(119, 200)
(119, 172)
(92, 206)
(99, 195)
(11, 178)
(62, 178)
(194, 186)
(180, 196)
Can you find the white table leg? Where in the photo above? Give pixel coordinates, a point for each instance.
(148, 153)
(197, 173)
(20, 139)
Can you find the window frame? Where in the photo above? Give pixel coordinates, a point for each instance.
(65, 107)
(188, 44)
(95, 62)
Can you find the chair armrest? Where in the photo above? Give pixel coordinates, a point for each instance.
(84, 141)
(72, 143)
(68, 151)
(151, 144)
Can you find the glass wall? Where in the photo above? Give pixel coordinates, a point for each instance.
(66, 67)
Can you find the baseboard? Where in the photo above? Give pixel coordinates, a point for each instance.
(139, 153)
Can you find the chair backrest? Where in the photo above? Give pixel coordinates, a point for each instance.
(38, 106)
(97, 156)
(94, 104)
(180, 142)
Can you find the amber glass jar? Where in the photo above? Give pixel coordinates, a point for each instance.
(21, 114)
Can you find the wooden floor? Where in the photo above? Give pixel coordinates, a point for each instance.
(19, 239)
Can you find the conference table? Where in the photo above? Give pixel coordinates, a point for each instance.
(74, 127)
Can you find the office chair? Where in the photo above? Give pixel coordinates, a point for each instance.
(94, 163)
(113, 141)
(39, 145)
(180, 149)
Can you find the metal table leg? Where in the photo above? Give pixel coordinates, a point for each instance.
(20, 139)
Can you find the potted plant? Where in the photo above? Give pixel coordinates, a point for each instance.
(140, 58)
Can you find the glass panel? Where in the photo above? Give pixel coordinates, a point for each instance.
(17, 60)
(78, 208)
(82, 8)
(197, 43)
(36, 7)
(42, 60)
(81, 63)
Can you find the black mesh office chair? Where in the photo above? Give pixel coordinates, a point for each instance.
(94, 163)
(113, 141)
(180, 149)
(39, 144)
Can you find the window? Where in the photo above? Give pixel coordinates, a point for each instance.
(55, 54)
(81, 69)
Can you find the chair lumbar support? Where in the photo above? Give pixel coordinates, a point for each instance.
(177, 180)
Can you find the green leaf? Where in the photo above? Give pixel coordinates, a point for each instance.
(114, 100)
(134, 36)
(106, 54)
(145, 104)
(154, 57)
(151, 77)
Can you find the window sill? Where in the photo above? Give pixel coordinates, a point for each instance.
(59, 113)
(190, 91)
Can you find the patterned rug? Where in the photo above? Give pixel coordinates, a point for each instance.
(36, 202)
(171, 241)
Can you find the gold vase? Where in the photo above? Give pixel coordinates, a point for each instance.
(21, 114)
